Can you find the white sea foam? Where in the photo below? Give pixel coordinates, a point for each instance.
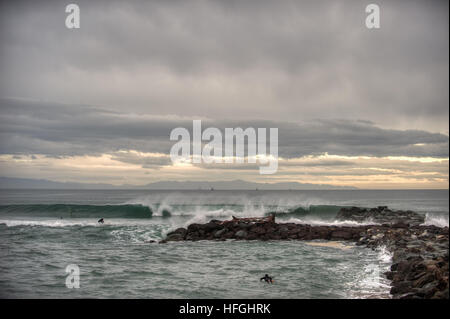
(371, 282)
(323, 222)
(47, 223)
(73, 222)
(384, 255)
(138, 235)
(439, 220)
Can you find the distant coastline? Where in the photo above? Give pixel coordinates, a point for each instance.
(25, 183)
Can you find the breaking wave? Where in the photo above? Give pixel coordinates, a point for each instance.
(137, 211)
(439, 220)
(197, 212)
(77, 211)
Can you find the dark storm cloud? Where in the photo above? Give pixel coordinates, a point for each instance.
(28, 127)
(234, 59)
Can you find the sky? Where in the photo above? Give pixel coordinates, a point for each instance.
(354, 106)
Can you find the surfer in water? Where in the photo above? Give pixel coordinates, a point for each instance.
(267, 279)
(101, 221)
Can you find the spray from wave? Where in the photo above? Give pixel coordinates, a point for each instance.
(440, 220)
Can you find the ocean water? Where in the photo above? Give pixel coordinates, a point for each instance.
(44, 231)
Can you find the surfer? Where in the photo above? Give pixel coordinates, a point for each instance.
(101, 221)
(267, 279)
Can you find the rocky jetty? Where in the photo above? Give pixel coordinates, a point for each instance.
(420, 259)
(420, 253)
(380, 215)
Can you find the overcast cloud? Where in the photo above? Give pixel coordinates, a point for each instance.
(234, 59)
(101, 94)
(29, 127)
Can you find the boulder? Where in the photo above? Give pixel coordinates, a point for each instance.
(400, 224)
(441, 294)
(211, 226)
(181, 231)
(423, 280)
(258, 230)
(174, 237)
(380, 214)
(339, 234)
(241, 234)
(401, 287)
(194, 227)
(220, 232)
(428, 290)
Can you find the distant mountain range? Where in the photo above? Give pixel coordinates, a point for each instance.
(25, 183)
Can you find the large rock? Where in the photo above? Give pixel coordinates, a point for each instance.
(194, 227)
(220, 232)
(211, 226)
(423, 280)
(182, 231)
(380, 215)
(241, 234)
(402, 287)
(259, 230)
(174, 237)
(338, 234)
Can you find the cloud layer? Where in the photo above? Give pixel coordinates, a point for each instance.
(29, 127)
(353, 106)
(234, 59)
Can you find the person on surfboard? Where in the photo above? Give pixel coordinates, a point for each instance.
(267, 279)
(101, 221)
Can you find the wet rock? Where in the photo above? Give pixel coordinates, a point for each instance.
(401, 288)
(241, 234)
(409, 295)
(423, 280)
(389, 275)
(228, 235)
(211, 226)
(400, 224)
(252, 236)
(428, 290)
(181, 231)
(258, 230)
(193, 236)
(341, 235)
(380, 214)
(244, 225)
(441, 294)
(194, 227)
(219, 233)
(174, 237)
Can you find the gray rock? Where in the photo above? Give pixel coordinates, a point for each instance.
(243, 225)
(174, 237)
(211, 226)
(220, 232)
(423, 280)
(241, 234)
(401, 287)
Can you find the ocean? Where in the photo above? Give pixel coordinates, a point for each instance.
(44, 231)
